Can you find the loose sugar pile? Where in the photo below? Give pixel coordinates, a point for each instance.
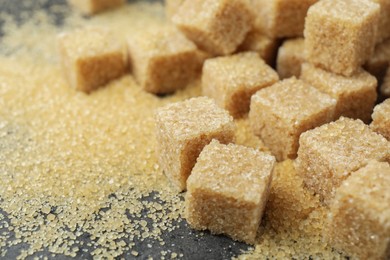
(79, 174)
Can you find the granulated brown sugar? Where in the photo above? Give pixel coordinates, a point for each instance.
(76, 166)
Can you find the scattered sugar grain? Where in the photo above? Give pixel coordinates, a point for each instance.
(58, 177)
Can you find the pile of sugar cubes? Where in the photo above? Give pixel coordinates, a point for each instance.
(314, 108)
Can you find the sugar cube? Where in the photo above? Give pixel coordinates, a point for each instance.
(340, 35)
(164, 60)
(359, 219)
(280, 113)
(385, 87)
(328, 154)
(228, 190)
(171, 7)
(259, 42)
(290, 58)
(95, 6)
(92, 57)
(216, 26)
(381, 119)
(384, 20)
(281, 18)
(377, 64)
(232, 80)
(289, 202)
(183, 129)
(356, 95)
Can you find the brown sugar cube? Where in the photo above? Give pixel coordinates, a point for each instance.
(216, 26)
(171, 7)
(385, 87)
(92, 57)
(384, 20)
(164, 61)
(328, 154)
(281, 18)
(280, 113)
(228, 190)
(232, 80)
(340, 35)
(290, 58)
(356, 95)
(289, 202)
(359, 219)
(183, 129)
(381, 119)
(95, 6)
(378, 63)
(262, 44)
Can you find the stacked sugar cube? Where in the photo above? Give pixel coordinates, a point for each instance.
(224, 27)
(162, 61)
(346, 162)
(292, 116)
(316, 113)
(340, 37)
(226, 183)
(338, 159)
(168, 58)
(359, 216)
